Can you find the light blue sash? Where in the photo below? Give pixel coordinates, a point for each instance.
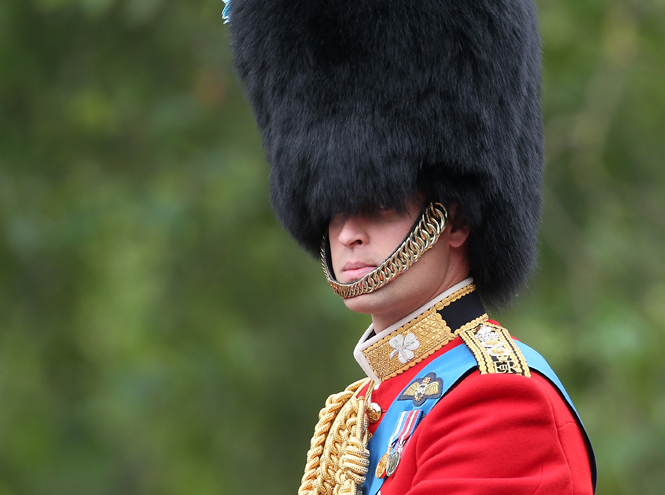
(451, 367)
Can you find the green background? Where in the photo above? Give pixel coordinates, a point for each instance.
(160, 333)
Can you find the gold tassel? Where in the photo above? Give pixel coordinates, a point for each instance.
(338, 459)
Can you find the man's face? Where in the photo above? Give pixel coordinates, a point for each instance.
(360, 243)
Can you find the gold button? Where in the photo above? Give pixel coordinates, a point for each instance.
(374, 412)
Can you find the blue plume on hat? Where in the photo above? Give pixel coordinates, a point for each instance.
(226, 13)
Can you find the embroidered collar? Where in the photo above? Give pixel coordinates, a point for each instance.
(420, 334)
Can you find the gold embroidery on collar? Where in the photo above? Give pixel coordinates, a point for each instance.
(416, 340)
(495, 350)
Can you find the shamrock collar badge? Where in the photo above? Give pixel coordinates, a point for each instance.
(404, 346)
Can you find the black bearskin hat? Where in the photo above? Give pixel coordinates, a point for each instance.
(365, 103)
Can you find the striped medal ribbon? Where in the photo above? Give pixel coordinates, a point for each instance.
(408, 420)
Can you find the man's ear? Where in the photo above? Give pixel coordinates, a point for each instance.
(458, 225)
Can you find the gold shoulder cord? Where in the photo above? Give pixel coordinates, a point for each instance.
(338, 459)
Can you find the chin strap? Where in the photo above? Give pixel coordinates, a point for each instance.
(423, 236)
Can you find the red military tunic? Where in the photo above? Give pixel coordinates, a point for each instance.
(490, 434)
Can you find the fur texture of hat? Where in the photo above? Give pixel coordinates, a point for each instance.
(365, 103)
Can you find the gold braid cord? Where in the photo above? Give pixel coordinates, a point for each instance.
(338, 459)
(424, 235)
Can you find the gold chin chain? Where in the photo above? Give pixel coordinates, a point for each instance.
(423, 236)
(338, 459)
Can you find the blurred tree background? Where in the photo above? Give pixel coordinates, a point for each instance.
(159, 332)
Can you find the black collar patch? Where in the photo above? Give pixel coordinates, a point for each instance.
(421, 389)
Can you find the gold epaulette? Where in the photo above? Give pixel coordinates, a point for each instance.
(495, 350)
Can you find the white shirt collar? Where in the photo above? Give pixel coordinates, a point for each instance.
(368, 339)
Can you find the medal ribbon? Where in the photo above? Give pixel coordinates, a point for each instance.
(397, 431)
(412, 418)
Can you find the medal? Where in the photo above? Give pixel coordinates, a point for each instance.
(393, 461)
(407, 423)
(381, 466)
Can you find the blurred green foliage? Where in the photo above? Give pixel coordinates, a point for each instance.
(160, 333)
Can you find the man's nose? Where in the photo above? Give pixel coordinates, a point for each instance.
(353, 233)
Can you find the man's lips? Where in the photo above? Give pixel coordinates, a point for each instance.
(355, 270)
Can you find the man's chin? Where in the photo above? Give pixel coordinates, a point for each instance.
(369, 303)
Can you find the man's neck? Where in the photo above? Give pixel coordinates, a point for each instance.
(384, 320)
(398, 322)
(455, 301)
